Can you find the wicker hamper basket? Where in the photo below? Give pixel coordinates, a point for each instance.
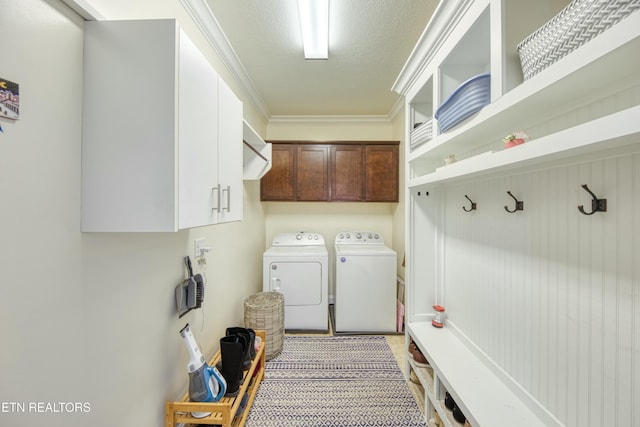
(265, 311)
(576, 24)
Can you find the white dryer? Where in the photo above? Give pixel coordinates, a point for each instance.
(296, 265)
(366, 283)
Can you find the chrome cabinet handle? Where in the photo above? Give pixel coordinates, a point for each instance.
(228, 191)
(216, 208)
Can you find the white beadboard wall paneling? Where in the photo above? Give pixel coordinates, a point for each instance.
(632, 316)
(422, 254)
(550, 295)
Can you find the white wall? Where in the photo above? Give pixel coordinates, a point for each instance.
(42, 322)
(90, 317)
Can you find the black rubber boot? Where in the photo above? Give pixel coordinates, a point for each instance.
(250, 337)
(252, 344)
(232, 350)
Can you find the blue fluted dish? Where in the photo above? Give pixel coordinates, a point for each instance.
(468, 98)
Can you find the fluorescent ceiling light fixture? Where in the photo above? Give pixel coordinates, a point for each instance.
(314, 23)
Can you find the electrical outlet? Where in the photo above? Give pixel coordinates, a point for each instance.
(199, 248)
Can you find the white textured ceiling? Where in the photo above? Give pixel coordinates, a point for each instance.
(370, 41)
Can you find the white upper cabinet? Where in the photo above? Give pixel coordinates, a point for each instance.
(162, 134)
(230, 152)
(197, 138)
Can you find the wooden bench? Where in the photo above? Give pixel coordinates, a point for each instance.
(486, 399)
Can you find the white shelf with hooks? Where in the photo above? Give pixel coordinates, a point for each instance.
(522, 289)
(616, 133)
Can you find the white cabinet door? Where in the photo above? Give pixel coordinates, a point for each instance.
(230, 152)
(151, 114)
(129, 126)
(198, 133)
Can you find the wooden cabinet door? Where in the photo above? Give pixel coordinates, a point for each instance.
(278, 183)
(381, 173)
(312, 173)
(346, 173)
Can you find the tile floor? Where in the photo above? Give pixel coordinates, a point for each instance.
(397, 344)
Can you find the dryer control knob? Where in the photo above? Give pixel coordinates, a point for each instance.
(348, 236)
(370, 236)
(341, 236)
(358, 236)
(377, 237)
(315, 237)
(310, 237)
(299, 237)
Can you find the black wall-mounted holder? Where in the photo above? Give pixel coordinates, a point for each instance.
(473, 207)
(190, 292)
(597, 205)
(519, 204)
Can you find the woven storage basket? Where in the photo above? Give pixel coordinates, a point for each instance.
(265, 311)
(421, 134)
(576, 24)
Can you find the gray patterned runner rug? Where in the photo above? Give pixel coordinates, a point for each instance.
(337, 381)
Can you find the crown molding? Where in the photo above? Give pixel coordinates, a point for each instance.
(331, 119)
(204, 18)
(441, 24)
(397, 108)
(84, 9)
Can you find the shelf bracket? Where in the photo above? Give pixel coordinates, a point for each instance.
(597, 205)
(519, 204)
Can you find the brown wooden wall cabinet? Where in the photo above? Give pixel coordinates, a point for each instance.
(381, 178)
(337, 171)
(347, 180)
(312, 173)
(277, 184)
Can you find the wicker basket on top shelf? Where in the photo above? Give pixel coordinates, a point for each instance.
(579, 22)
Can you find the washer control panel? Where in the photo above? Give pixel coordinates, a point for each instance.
(298, 238)
(358, 238)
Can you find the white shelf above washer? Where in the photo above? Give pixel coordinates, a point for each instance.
(256, 154)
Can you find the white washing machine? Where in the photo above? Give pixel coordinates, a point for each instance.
(297, 265)
(365, 280)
